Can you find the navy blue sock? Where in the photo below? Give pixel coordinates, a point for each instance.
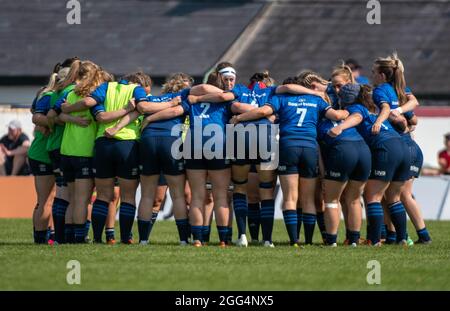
(50, 234)
(189, 231)
(110, 234)
(253, 220)
(206, 233)
(299, 221)
(79, 233)
(87, 227)
(424, 235)
(197, 233)
(330, 238)
(391, 237)
(223, 233)
(69, 233)
(290, 220)
(375, 221)
(368, 230)
(229, 236)
(98, 218)
(182, 226)
(398, 217)
(40, 237)
(59, 208)
(240, 211)
(321, 223)
(309, 223)
(384, 232)
(126, 219)
(144, 227)
(353, 237)
(267, 216)
(347, 234)
(154, 217)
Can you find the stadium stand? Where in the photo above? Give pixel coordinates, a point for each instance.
(159, 37)
(292, 35)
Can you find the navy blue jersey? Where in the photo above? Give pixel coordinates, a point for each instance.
(409, 115)
(204, 114)
(263, 96)
(333, 96)
(299, 116)
(350, 134)
(43, 104)
(60, 101)
(164, 127)
(362, 80)
(385, 93)
(243, 95)
(365, 127)
(33, 105)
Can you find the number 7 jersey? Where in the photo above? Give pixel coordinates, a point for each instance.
(298, 118)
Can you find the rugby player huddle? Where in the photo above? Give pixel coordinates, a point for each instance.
(334, 142)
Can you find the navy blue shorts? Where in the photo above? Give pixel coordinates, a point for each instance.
(55, 158)
(116, 158)
(347, 160)
(205, 164)
(299, 160)
(156, 156)
(76, 168)
(202, 163)
(247, 146)
(416, 156)
(391, 161)
(39, 168)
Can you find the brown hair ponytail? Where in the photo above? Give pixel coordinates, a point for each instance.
(176, 83)
(91, 76)
(393, 70)
(365, 98)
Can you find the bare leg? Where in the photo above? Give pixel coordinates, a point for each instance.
(18, 162)
(332, 194)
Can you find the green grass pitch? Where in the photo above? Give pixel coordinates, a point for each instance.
(164, 265)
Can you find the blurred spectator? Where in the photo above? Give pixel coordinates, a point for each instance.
(356, 71)
(444, 156)
(13, 151)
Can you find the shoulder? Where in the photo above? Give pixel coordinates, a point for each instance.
(443, 153)
(24, 136)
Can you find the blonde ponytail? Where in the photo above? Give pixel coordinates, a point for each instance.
(50, 85)
(72, 76)
(343, 70)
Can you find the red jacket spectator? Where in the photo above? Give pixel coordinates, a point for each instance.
(444, 156)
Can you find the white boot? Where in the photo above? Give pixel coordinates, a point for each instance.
(242, 241)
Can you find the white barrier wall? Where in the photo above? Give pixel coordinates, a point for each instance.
(430, 192)
(430, 137)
